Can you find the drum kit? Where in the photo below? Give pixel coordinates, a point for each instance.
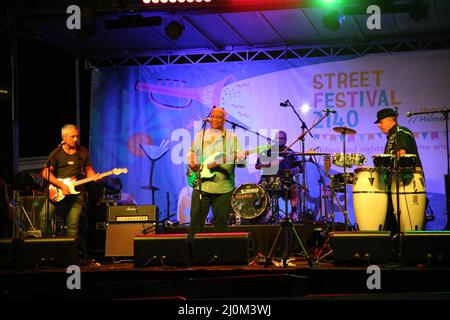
(395, 177)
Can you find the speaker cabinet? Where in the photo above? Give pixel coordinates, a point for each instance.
(10, 249)
(120, 237)
(221, 248)
(161, 250)
(430, 248)
(361, 247)
(55, 251)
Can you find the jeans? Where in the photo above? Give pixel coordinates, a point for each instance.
(73, 203)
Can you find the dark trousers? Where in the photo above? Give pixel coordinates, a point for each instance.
(220, 204)
(73, 204)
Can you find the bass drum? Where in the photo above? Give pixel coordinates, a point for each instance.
(250, 201)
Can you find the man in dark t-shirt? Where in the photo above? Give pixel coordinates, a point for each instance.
(68, 160)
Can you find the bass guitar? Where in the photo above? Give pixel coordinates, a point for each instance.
(205, 173)
(56, 195)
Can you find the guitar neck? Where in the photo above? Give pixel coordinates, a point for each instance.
(86, 180)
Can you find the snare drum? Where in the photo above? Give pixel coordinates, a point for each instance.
(337, 181)
(370, 198)
(412, 199)
(383, 161)
(250, 201)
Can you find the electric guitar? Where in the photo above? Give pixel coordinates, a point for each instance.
(56, 195)
(205, 173)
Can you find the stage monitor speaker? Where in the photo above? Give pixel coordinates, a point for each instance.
(54, 251)
(10, 249)
(119, 238)
(161, 250)
(361, 247)
(430, 248)
(221, 248)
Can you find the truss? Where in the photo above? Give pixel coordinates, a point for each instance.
(258, 54)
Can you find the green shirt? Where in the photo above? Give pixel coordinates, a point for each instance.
(224, 145)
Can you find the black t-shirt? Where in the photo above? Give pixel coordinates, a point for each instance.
(69, 165)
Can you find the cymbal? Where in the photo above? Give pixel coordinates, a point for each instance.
(344, 130)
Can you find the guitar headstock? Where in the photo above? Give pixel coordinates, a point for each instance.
(118, 171)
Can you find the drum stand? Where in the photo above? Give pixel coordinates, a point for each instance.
(286, 226)
(318, 257)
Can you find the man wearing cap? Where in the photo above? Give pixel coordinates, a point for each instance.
(400, 140)
(215, 191)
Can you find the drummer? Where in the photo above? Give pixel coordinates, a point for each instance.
(400, 140)
(279, 164)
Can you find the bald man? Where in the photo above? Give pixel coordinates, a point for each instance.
(214, 192)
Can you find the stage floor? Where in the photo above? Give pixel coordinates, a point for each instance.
(297, 280)
(325, 278)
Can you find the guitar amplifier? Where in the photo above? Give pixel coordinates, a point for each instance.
(132, 213)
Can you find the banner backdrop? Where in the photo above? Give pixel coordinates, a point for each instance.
(144, 118)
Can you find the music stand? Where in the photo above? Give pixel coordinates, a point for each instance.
(154, 153)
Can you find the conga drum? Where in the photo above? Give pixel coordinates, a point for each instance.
(370, 198)
(412, 199)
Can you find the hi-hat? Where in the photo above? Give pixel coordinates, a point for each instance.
(344, 130)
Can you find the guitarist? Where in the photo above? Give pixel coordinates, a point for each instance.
(68, 160)
(216, 191)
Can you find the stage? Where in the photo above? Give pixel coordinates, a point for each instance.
(333, 275)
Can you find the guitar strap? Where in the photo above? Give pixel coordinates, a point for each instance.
(224, 147)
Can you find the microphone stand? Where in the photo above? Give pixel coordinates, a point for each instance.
(302, 138)
(304, 127)
(445, 113)
(234, 124)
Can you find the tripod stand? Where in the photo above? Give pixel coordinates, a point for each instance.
(286, 226)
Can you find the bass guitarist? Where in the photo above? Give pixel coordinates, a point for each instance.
(215, 189)
(68, 160)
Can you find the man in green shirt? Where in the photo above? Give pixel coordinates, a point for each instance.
(212, 159)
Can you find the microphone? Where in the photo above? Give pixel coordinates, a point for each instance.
(61, 143)
(329, 111)
(284, 104)
(409, 114)
(206, 120)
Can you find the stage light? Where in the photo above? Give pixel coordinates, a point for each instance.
(333, 20)
(305, 108)
(173, 1)
(418, 10)
(174, 30)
